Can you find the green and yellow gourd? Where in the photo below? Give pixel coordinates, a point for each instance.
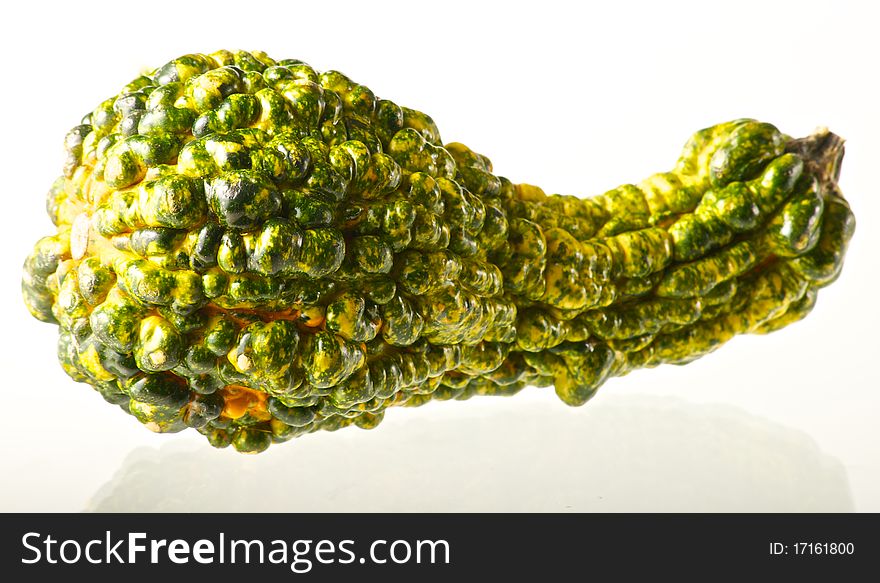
(257, 250)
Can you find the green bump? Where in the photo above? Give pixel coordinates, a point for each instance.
(241, 199)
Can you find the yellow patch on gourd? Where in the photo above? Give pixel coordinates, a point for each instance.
(239, 401)
(92, 362)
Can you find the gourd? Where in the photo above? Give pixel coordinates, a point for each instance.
(257, 250)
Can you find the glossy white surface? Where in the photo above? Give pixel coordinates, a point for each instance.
(577, 99)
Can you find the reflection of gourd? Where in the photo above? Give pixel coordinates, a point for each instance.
(258, 250)
(625, 453)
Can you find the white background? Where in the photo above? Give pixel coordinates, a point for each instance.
(575, 98)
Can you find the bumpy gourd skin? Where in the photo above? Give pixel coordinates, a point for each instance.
(257, 250)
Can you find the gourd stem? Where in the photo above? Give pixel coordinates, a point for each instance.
(822, 151)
